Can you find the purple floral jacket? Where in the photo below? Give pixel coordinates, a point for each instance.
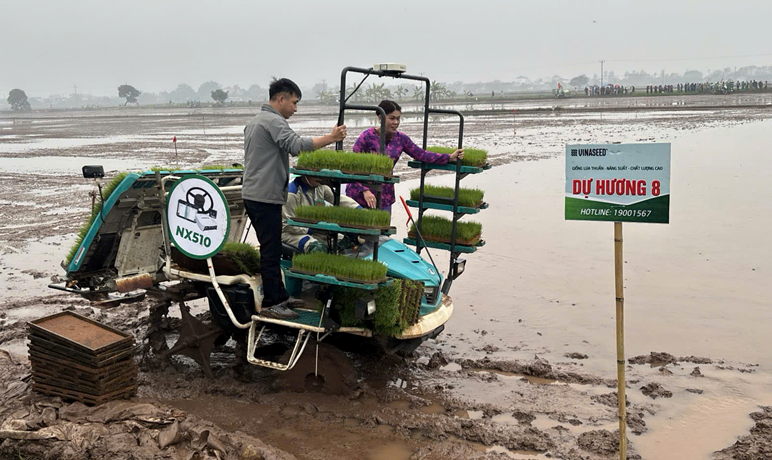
(369, 142)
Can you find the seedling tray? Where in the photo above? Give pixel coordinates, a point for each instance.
(450, 167)
(444, 246)
(96, 389)
(329, 279)
(81, 371)
(340, 227)
(80, 333)
(447, 207)
(84, 397)
(346, 176)
(40, 345)
(436, 239)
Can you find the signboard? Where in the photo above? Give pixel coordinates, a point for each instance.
(198, 215)
(618, 182)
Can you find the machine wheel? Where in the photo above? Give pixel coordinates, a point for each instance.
(336, 373)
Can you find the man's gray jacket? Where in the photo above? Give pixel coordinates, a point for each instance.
(268, 141)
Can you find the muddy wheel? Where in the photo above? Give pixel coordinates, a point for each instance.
(336, 373)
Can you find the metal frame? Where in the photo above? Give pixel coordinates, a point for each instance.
(454, 255)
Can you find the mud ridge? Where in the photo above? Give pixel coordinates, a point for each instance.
(755, 445)
(538, 367)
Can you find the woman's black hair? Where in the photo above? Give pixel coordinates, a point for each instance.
(389, 106)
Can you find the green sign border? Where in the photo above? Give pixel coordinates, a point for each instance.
(659, 208)
(227, 214)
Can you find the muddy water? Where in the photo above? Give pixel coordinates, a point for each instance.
(698, 286)
(541, 286)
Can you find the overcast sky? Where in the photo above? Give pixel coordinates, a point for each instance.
(50, 45)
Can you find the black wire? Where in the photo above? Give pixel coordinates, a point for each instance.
(355, 89)
(102, 199)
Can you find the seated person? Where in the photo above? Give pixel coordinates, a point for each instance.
(396, 143)
(308, 191)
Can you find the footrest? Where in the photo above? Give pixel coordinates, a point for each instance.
(297, 350)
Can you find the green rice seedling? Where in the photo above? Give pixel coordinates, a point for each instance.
(345, 216)
(397, 306)
(472, 157)
(216, 167)
(435, 228)
(469, 197)
(213, 167)
(349, 162)
(340, 266)
(107, 190)
(410, 305)
(344, 303)
(387, 319)
(244, 255)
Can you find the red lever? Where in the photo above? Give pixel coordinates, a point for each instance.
(410, 215)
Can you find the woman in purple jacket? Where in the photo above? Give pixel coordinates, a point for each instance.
(396, 143)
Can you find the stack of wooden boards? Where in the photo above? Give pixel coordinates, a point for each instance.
(80, 359)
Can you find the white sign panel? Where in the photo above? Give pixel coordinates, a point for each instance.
(618, 182)
(198, 215)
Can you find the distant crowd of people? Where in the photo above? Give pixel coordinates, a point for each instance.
(721, 87)
(608, 90)
(717, 87)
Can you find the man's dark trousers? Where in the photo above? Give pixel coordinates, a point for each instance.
(266, 218)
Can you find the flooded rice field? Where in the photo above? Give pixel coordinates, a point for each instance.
(525, 368)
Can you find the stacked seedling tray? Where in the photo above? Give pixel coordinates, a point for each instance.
(80, 359)
(449, 234)
(339, 219)
(342, 268)
(337, 168)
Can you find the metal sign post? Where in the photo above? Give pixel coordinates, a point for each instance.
(618, 183)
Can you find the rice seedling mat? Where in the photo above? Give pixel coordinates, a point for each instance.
(351, 162)
(344, 177)
(340, 278)
(473, 157)
(445, 246)
(335, 269)
(340, 227)
(329, 279)
(468, 197)
(438, 239)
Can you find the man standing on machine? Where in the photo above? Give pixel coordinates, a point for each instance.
(268, 142)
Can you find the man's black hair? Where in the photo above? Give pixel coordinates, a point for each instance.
(284, 85)
(389, 106)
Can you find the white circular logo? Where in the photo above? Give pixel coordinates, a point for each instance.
(198, 215)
